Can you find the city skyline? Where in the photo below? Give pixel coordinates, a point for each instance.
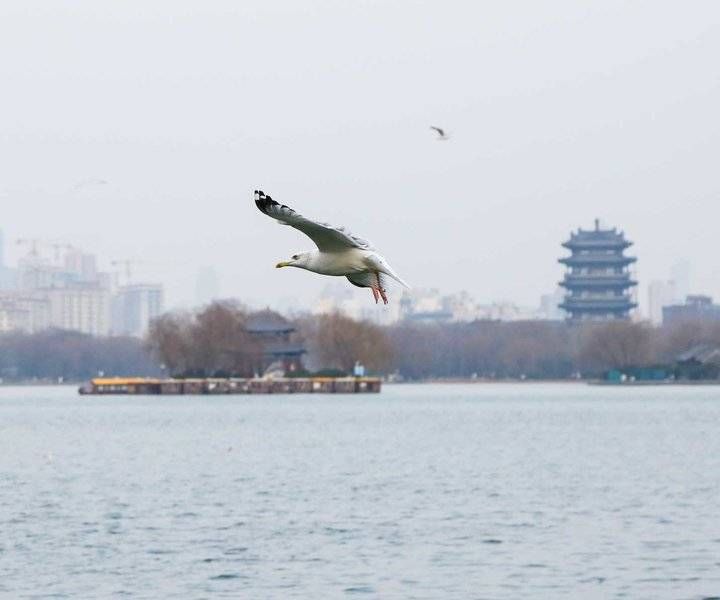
(652, 295)
(184, 293)
(67, 290)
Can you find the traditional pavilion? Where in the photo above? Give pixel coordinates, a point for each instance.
(277, 337)
(598, 281)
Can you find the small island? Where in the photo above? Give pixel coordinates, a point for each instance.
(283, 385)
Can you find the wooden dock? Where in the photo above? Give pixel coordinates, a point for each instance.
(311, 385)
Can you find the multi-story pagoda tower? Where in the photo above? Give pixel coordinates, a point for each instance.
(597, 281)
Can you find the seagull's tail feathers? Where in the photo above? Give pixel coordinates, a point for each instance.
(390, 273)
(401, 281)
(379, 263)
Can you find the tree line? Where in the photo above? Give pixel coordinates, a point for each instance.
(540, 349)
(215, 341)
(56, 354)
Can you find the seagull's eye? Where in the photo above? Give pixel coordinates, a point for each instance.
(295, 257)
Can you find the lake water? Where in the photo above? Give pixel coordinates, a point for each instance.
(424, 491)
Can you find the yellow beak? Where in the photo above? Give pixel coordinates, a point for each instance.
(282, 264)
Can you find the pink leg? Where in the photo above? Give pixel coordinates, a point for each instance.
(375, 294)
(380, 289)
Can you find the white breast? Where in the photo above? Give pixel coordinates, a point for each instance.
(339, 263)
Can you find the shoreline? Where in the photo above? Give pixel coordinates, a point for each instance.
(447, 381)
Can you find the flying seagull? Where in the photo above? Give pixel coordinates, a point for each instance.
(89, 183)
(442, 136)
(339, 253)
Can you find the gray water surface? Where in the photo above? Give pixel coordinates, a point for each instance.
(435, 491)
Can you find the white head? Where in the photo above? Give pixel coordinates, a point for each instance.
(300, 260)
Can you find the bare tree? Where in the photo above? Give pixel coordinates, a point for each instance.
(338, 341)
(617, 345)
(682, 336)
(169, 341)
(222, 345)
(211, 342)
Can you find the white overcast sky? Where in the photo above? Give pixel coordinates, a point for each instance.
(559, 112)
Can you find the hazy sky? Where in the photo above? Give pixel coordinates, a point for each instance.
(559, 112)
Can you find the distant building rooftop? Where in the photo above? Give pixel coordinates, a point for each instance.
(275, 334)
(267, 321)
(696, 307)
(702, 354)
(597, 238)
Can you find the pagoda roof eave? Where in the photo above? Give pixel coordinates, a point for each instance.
(596, 244)
(597, 260)
(597, 306)
(590, 281)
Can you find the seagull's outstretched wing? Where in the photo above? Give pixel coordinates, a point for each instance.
(440, 131)
(326, 237)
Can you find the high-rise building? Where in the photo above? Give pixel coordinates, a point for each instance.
(680, 273)
(660, 295)
(81, 307)
(13, 316)
(24, 311)
(37, 273)
(68, 292)
(134, 306)
(598, 282)
(81, 264)
(7, 275)
(207, 286)
(71, 292)
(549, 306)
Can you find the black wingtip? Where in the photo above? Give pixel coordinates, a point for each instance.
(263, 201)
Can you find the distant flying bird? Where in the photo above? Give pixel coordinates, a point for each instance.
(89, 183)
(442, 136)
(339, 253)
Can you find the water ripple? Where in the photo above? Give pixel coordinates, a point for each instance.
(447, 491)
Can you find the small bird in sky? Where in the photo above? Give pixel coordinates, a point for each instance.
(442, 136)
(90, 182)
(339, 253)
